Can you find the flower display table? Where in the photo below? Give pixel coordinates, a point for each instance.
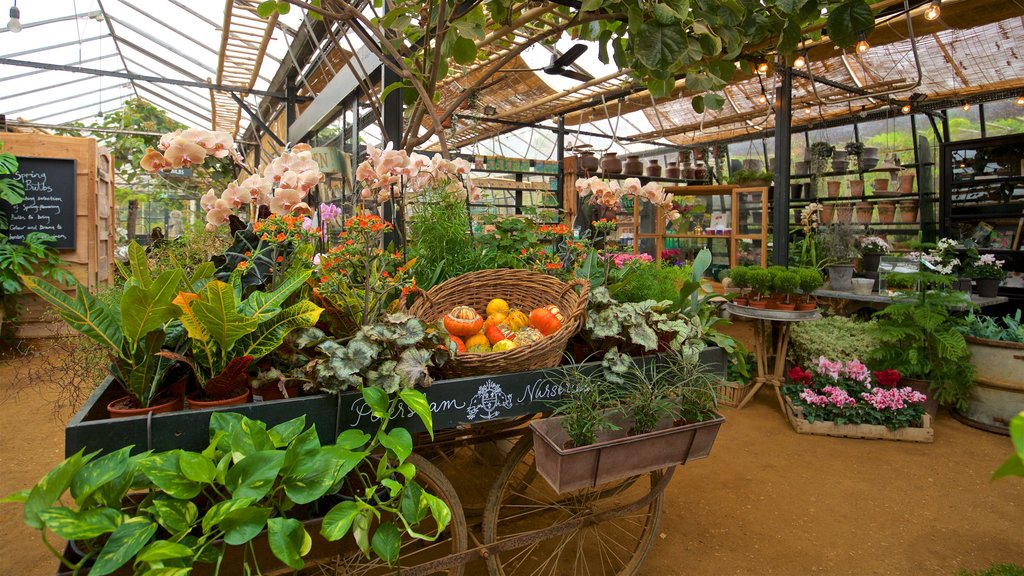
(770, 348)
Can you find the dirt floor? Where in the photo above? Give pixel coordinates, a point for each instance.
(767, 500)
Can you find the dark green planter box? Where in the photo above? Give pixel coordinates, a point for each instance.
(458, 401)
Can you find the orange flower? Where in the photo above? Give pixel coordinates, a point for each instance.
(280, 258)
(248, 253)
(243, 265)
(281, 237)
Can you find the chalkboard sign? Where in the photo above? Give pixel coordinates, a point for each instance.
(50, 199)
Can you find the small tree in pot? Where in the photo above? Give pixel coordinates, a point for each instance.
(810, 280)
(740, 277)
(837, 245)
(786, 282)
(761, 283)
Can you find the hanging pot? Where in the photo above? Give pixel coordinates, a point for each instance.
(610, 163)
(654, 169)
(588, 162)
(633, 166)
(800, 169)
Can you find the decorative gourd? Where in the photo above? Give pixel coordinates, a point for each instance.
(525, 336)
(480, 349)
(498, 332)
(460, 346)
(516, 320)
(548, 319)
(497, 306)
(493, 319)
(463, 321)
(503, 345)
(478, 340)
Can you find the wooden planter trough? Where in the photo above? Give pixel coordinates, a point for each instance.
(795, 415)
(732, 393)
(616, 456)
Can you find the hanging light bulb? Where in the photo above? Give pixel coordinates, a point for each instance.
(906, 108)
(965, 105)
(862, 44)
(762, 68)
(933, 9)
(14, 24)
(801, 60)
(762, 98)
(807, 110)
(1020, 100)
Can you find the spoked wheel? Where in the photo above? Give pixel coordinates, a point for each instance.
(414, 551)
(521, 501)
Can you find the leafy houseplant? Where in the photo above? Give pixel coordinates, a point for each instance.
(226, 334)
(917, 335)
(837, 245)
(987, 272)
(173, 511)
(996, 347)
(134, 332)
(855, 150)
(637, 325)
(1007, 329)
(33, 255)
(820, 153)
(751, 177)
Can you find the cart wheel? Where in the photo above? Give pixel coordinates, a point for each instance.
(414, 551)
(521, 501)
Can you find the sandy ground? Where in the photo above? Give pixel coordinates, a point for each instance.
(767, 500)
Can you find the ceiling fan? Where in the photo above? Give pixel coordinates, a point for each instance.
(562, 64)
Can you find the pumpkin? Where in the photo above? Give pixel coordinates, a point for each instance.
(525, 336)
(503, 345)
(460, 346)
(498, 332)
(496, 318)
(546, 320)
(463, 321)
(478, 340)
(516, 320)
(497, 306)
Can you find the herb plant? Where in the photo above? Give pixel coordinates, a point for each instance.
(439, 238)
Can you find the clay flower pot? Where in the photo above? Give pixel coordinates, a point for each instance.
(856, 187)
(120, 408)
(806, 306)
(844, 213)
(886, 212)
(610, 163)
(633, 166)
(589, 162)
(881, 186)
(908, 211)
(833, 188)
(907, 183)
(826, 215)
(654, 169)
(673, 171)
(864, 212)
(762, 304)
(196, 402)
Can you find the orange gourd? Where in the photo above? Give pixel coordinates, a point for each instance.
(498, 332)
(546, 320)
(460, 346)
(463, 321)
(493, 319)
(478, 341)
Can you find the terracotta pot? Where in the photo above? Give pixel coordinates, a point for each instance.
(833, 188)
(610, 163)
(673, 171)
(856, 187)
(700, 172)
(826, 215)
(886, 211)
(907, 183)
(761, 304)
(908, 211)
(806, 306)
(740, 301)
(880, 186)
(654, 169)
(783, 306)
(118, 409)
(871, 262)
(987, 287)
(588, 162)
(931, 406)
(844, 213)
(865, 210)
(633, 166)
(196, 402)
(272, 392)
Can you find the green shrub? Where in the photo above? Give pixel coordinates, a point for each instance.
(740, 276)
(834, 337)
(652, 282)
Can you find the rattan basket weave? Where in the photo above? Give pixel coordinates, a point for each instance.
(522, 289)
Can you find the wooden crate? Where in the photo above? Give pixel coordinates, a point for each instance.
(732, 393)
(868, 431)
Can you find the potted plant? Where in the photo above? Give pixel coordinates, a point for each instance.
(786, 283)
(663, 415)
(917, 335)
(987, 273)
(134, 334)
(740, 278)
(761, 284)
(837, 246)
(996, 347)
(226, 333)
(31, 256)
(644, 327)
(872, 248)
(810, 280)
(751, 178)
(854, 150)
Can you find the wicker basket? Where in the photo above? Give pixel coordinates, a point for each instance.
(732, 393)
(522, 289)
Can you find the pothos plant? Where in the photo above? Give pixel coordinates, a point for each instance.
(170, 512)
(656, 41)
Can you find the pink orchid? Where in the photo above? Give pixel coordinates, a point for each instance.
(182, 153)
(285, 199)
(235, 197)
(218, 215)
(258, 188)
(208, 200)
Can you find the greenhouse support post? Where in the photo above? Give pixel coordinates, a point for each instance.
(780, 211)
